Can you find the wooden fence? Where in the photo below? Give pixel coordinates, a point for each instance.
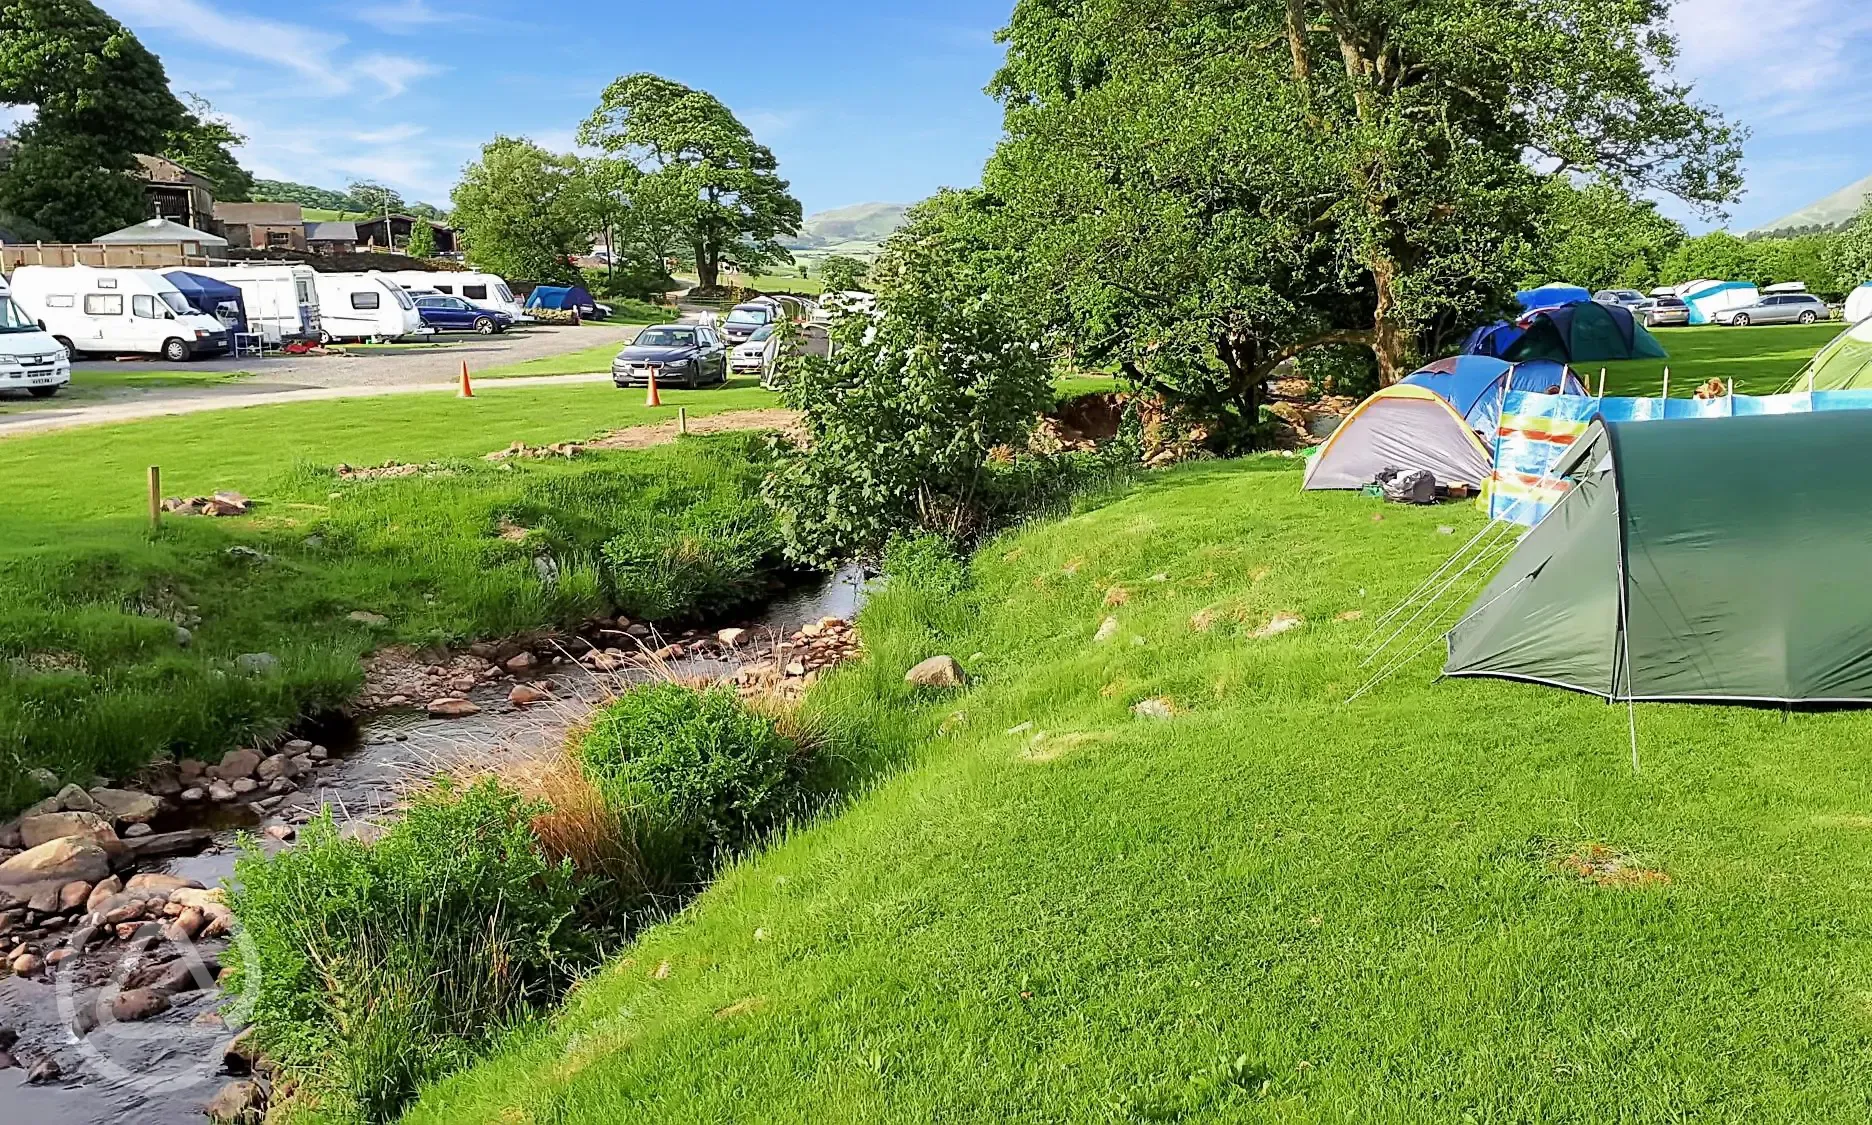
(169, 255)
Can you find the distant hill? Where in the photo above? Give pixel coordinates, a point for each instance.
(1835, 210)
(854, 229)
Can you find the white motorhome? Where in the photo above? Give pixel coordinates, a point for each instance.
(482, 290)
(30, 360)
(366, 306)
(282, 300)
(116, 310)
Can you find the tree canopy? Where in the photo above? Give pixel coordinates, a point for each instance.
(525, 212)
(701, 165)
(374, 198)
(204, 143)
(98, 98)
(841, 274)
(1211, 187)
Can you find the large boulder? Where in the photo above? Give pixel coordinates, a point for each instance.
(937, 672)
(126, 806)
(63, 860)
(237, 764)
(36, 830)
(73, 799)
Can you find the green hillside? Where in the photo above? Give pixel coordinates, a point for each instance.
(856, 229)
(1834, 210)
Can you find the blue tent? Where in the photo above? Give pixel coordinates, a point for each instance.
(1551, 296)
(208, 295)
(562, 297)
(1474, 384)
(1492, 339)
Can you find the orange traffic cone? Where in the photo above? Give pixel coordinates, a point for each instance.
(652, 398)
(467, 388)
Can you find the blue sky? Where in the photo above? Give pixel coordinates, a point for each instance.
(861, 101)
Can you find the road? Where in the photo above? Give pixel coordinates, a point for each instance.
(302, 378)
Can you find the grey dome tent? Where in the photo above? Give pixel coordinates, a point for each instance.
(1694, 559)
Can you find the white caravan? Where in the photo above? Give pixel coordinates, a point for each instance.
(366, 306)
(282, 300)
(112, 310)
(482, 290)
(30, 360)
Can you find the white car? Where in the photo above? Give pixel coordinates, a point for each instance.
(757, 356)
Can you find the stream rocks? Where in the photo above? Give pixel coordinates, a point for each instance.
(62, 861)
(937, 672)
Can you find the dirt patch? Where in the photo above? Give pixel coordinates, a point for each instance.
(661, 433)
(1596, 863)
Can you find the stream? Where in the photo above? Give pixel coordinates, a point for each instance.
(162, 1070)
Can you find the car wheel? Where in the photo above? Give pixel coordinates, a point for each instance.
(1808, 317)
(44, 392)
(486, 326)
(64, 342)
(174, 350)
(1741, 320)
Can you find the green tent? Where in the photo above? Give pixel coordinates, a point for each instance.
(1693, 559)
(1843, 365)
(1588, 331)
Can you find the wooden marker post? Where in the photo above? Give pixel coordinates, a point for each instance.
(682, 419)
(155, 497)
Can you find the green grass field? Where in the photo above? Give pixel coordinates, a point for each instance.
(1273, 906)
(93, 385)
(1759, 359)
(585, 361)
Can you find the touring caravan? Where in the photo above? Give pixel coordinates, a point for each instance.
(116, 310)
(366, 306)
(30, 360)
(282, 300)
(483, 290)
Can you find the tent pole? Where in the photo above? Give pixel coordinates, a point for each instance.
(1665, 393)
(1601, 395)
(1624, 658)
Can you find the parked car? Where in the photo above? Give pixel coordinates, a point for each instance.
(688, 355)
(452, 314)
(1664, 312)
(756, 357)
(1779, 308)
(1629, 298)
(744, 320)
(483, 290)
(30, 360)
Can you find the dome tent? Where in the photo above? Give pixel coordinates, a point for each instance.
(1403, 427)
(1585, 332)
(1492, 339)
(1474, 384)
(1843, 365)
(1694, 559)
(1551, 296)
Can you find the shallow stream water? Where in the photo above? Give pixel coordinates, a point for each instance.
(162, 1070)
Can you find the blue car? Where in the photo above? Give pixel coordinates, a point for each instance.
(452, 314)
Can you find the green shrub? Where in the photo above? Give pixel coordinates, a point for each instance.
(379, 968)
(706, 775)
(713, 557)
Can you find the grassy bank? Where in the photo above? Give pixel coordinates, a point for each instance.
(1270, 906)
(97, 679)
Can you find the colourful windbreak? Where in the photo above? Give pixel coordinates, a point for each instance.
(1536, 430)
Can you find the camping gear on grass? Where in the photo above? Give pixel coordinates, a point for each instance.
(1492, 339)
(1474, 384)
(211, 296)
(1552, 296)
(1707, 298)
(1712, 560)
(1407, 486)
(1845, 364)
(1585, 333)
(1402, 426)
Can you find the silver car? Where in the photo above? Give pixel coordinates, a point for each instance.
(1777, 308)
(1663, 312)
(1629, 298)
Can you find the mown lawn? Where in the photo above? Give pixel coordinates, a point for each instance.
(1273, 906)
(1760, 359)
(92, 385)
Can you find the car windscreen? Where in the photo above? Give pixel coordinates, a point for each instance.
(12, 319)
(663, 338)
(176, 303)
(761, 333)
(747, 316)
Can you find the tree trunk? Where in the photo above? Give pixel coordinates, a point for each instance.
(707, 267)
(1391, 335)
(1238, 354)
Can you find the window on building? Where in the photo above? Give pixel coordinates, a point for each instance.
(279, 238)
(366, 300)
(144, 305)
(475, 292)
(103, 304)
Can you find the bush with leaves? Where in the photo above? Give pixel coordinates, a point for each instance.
(903, 419)
(382, 967)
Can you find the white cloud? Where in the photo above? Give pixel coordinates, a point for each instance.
(393, 134)
(771, 122)
(409, 16)
(314, 55)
